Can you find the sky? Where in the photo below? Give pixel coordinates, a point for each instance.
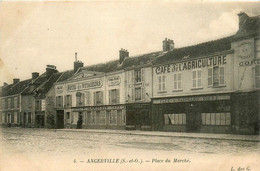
(35, 34)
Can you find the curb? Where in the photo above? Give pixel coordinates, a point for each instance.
(158, 135)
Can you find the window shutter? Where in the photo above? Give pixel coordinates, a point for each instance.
(221, 76)
(194, 79)
(94, 98)
(142, 75)
(133, 94)
(83, 99)
(163, 82)
(101, 97)
(159, 83)
(210, 78)
(109, 97)
(117, 96)
(132, 77)
(143, 94)
(179, 81)
(70, 100)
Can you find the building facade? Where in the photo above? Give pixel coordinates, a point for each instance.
(210, 87)
(91, 100)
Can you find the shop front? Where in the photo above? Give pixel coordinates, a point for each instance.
(97, 117)
(201, 113)
(138, 116)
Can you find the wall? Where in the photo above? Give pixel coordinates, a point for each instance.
(168, 70)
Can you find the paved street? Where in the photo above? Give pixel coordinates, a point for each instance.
(70, 150)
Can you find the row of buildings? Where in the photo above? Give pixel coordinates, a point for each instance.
(209, 87)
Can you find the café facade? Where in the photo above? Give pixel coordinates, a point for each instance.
(210, 87)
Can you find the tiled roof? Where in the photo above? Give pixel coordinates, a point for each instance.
(196, 50)
(65, 75)
(13, 89)
(46, 86)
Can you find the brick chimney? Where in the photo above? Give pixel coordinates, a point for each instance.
(77, 64)
(168, 45)
(50, 69)
(242, 18)
(16, 80)
(35, 75)
(123, 53)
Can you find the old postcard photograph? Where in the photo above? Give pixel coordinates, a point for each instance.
(129, 85)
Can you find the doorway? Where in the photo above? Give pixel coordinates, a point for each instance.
(193, 119)
(60, 119)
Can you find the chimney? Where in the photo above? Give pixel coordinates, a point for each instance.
(77, 64)
(5, 84)
(50, 69)
(168, 45)
(35, 75)
(16, 80)
(242, 18)
(123, 53)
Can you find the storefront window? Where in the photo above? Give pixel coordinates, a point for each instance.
(113, 117)
(216, 118)
(175, 119)
(102, 117)
(196, 79)
(91, 117)
(177, 81)
(216, 76)
(257, 76)
(15, 117)
(161, 83)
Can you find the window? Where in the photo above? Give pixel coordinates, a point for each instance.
(216, 76)
(3, 104)
(59, 101)
(98, 98)
(196, 79)
(113, 117)
(38, 105)
(9, 103)
(91, 117)
(119, 119)
(80, 99)
(67, 115)
(114, 96)
(177, 81)
(138, 76)
(161, 83)
(138, 94)
(12, 103)
(175, 119)
(68, 100)
(12, 118)
(102, 117)
(15, 117)
(6, 103)
(15, 102)
(257, 76)
(75, 117)
(216, 118)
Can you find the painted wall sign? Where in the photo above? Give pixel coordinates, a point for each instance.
(249, 63)
(199, 63)
(111, 81)
(100, 108)
(191, 99)
(246, 49)
(85, 85)
(136, 85)
(91, 84)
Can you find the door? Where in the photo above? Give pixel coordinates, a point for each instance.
(79, 122)
(193, 118)
(24, 119)
(131, 118)
(60, 119)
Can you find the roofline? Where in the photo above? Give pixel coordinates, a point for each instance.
(1, 97)
(199, 57)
